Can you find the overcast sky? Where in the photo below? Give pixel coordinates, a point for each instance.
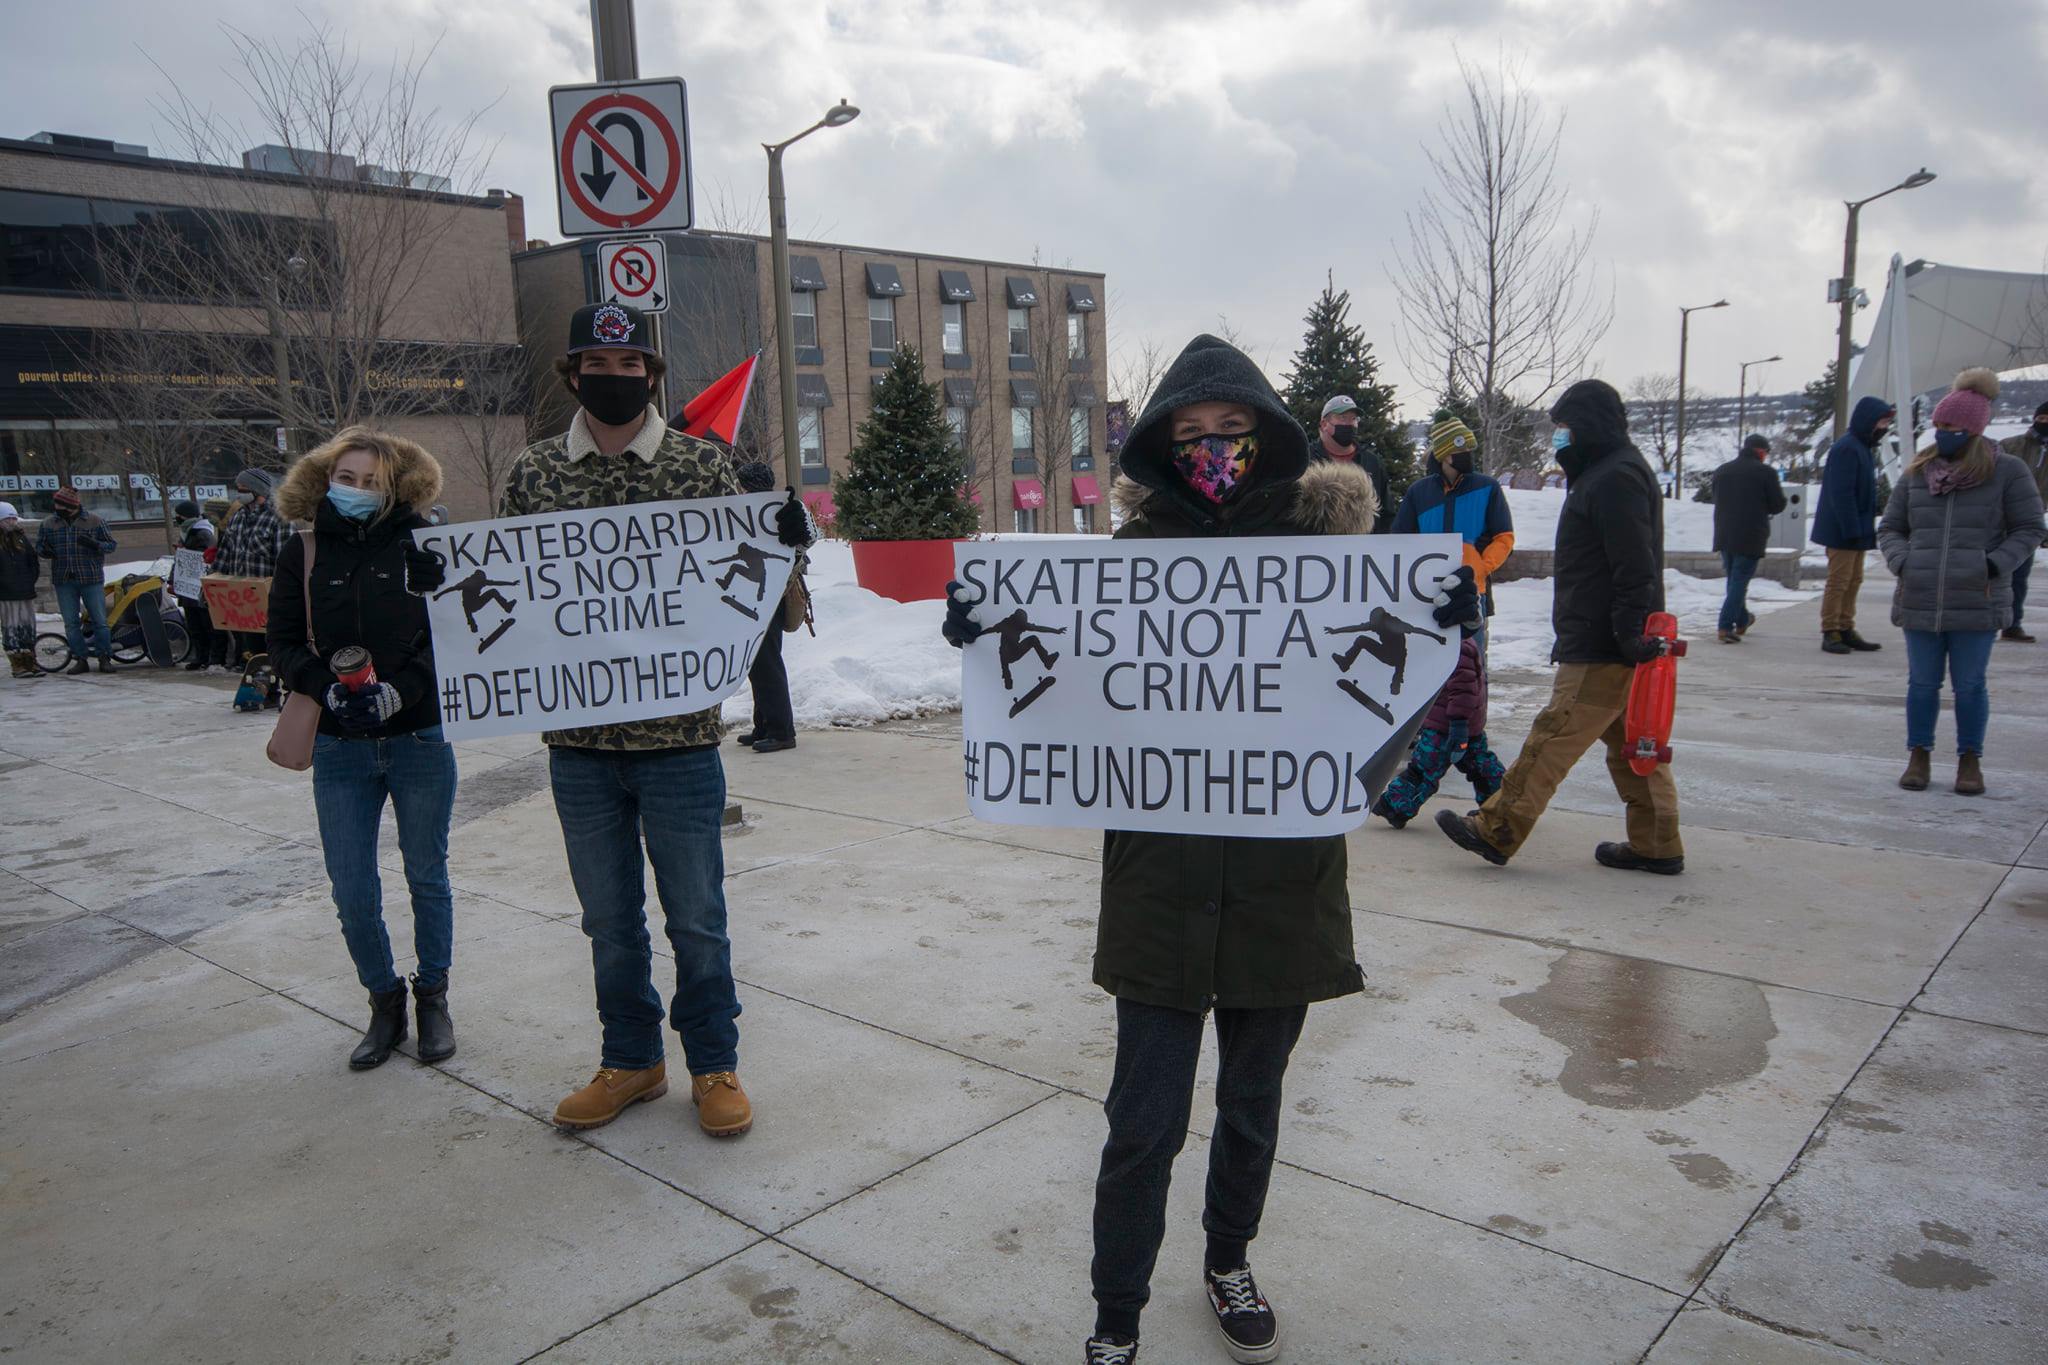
(1214, 159)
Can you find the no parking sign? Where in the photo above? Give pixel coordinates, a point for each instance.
(634, 273)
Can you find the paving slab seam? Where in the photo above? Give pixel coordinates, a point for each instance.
(1783, 1329)
(794, 858)
(1979, 1023)
(559, 1342)
(164, 801)
(956, 1330)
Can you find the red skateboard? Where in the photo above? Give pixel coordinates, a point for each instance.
(1653, 699)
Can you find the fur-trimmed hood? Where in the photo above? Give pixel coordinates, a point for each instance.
(416, 480)
(1330, 499)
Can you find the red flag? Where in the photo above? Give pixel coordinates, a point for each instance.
(717, 411)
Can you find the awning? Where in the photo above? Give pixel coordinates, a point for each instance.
(954, 288)
(811, 391)
(960, 393)
(1027, 495)
(884, 282)
(1086, 492)
(823, 510)
(1023, 293)
(805, 274)
(1023, 393)
(1081, 298)
(1082, 394)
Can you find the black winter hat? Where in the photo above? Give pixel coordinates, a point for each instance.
(1594, 412)
(600, 326)
(187, 509)
(1755, 441)
(2041, 412)
(1211, 370)
(756, 477)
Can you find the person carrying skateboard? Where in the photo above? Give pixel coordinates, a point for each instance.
(1609, 578)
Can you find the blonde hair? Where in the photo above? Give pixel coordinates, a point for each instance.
(1975, 464)
(392, 453)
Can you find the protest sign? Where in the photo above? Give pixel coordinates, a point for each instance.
(237, 604)
(565, 619)
(187, 568)
(1238, 687)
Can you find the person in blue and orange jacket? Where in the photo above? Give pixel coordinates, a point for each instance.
(1456, 497)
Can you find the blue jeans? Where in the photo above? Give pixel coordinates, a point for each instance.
(1963, 655)
(2019, 588)
(608, 801)
(1735, 606)
(94, 598)
(351, 780)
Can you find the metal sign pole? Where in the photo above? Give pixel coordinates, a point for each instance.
(617, 48)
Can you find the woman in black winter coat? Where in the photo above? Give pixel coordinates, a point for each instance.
(380, 738)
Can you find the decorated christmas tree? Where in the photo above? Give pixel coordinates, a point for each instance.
(905, 472)
(1336, 358)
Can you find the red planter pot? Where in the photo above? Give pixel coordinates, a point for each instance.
(907, 570)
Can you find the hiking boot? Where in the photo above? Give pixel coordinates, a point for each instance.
(78, 666)
(1463, 831)
(773, 746)
(608, 1094)
(1109, 1350)
(1393, 819)
(1250, 1332)
(386, 1030)
(23, 664)
(1834, 643)
(1969, 776)
(437, 1030)
(1858, 643)
(1730, 637)
(106, 665)
(1748, 620)
(1914, 779)
(1628, 860)
(2017, 635)
(723, 1109)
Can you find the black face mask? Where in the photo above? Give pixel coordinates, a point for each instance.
(613, 399)
(1461, 464)
(1346, 436)
(2041, 428)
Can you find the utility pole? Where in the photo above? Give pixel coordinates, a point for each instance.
(1845, 295)
(1684, 337)
(617, 49)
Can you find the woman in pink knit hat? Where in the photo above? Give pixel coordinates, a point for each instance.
(1963, 517)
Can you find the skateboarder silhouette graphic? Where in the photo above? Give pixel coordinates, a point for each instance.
(477, 591)
(1384, 636)
(1015, 638)
(749, 562)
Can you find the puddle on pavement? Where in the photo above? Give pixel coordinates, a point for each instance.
(1643, 1035)
(1938, 1270)
(2031, 905)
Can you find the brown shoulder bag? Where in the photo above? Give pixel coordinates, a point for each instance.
(298, 724)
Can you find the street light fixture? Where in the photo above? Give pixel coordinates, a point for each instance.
(1845, 294)
(838, 116)
(1684, 337)
(1742, 396)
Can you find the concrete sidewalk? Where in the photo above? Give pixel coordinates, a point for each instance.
(1787, 1107)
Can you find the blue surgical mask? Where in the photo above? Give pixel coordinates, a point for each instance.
(1560, 438)
(357, 504)
(1950, 444)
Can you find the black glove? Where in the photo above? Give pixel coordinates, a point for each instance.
(365, 709)
(1457, 599)
(793, 523)
(425, 571)
(962, 627)
(1644, 648)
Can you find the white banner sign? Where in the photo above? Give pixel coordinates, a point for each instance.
(567, 619)
(187, 568)
(1239, 687)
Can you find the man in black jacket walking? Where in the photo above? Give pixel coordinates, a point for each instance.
(1609, 578)
(1747, 495)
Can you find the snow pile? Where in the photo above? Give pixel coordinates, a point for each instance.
(1519, 634)
(1687, 525)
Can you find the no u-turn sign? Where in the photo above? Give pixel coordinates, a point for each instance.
(622, 157)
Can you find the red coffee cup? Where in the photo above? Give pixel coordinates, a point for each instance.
(353, 669)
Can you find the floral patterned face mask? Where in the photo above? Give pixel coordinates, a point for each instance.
(1217, 467)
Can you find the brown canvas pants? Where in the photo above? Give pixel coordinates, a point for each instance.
(1838, 599)
(1588, 702)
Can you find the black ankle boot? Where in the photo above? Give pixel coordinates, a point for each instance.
(437, 1030)
(386, 1031)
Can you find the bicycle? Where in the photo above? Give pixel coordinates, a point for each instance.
(124, 628)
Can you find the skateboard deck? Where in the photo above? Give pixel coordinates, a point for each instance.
(1653, 699)
(151, 617)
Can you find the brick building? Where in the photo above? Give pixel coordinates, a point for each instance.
(1019, 350)
(72, 211)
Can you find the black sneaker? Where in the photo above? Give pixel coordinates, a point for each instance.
(1379, 808)
(1628, 860)
(1462, 832)
(1250, 1332)
(1104, 1350)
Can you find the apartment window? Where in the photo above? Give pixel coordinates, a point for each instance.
(810, 438)
(1026, 521)
(803, 309)
(882, 325)
(956, 422)
(1020, 333)
(1020, 430)
(1084, 521)
(1077, 337)
(1077, 438)
(953, 328)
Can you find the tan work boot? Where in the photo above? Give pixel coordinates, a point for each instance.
(1914, 779)
(608, 1094)
(1969, 776)
(723, 1109)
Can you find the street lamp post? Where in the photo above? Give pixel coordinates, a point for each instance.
(1846, 295)
(280, 350)
(1684, 337)
(838, 116)
(1742, 396)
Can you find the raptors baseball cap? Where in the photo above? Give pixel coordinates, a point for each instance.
(598, 326)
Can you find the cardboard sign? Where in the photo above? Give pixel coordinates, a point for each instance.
(237, 604)
(1261, 688)
(567, 619)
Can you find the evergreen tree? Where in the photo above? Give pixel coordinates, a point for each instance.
(1817, 402)
(1336, 358)
(905, 472)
